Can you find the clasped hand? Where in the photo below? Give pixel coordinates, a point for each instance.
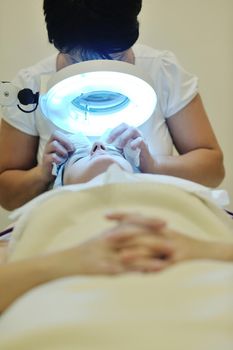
(128, 246)
(134, 243)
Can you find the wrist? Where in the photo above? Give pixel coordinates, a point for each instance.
(149, 165)
(44, 178)
(53, 266)
(65, 263)
(211, 250)
(220, 251)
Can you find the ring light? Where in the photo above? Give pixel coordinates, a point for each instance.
(93, 96)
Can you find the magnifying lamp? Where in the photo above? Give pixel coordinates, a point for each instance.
(97, 95)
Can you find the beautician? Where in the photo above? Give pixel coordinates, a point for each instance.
(83, 30)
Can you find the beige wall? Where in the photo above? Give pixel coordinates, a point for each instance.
(200, 32)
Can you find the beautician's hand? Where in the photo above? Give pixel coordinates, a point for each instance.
(166, 245)
(123, 134)
(147, 162)
(56, 150)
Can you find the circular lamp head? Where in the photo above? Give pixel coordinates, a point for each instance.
(97, 95)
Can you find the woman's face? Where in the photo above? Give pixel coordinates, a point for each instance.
(84, 166)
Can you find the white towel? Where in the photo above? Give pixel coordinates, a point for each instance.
(80, 141)
(133, 156)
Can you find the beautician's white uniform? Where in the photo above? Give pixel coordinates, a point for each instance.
(174, 86)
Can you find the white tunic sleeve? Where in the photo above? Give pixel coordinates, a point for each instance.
(24, 122)
(30, 78)
(177, 86)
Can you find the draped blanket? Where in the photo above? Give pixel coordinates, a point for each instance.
(187, 306)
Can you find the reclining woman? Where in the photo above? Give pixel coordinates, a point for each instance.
(136, 241)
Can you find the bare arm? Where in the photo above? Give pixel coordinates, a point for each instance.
(200, 157)
(98, 256)
(17, 278)
(136, 243)
(20, 177)
(182, 247)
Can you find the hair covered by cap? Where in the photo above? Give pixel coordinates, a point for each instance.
(99, 25)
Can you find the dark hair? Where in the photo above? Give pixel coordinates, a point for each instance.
(104, 26)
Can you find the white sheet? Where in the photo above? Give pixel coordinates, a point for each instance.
(186, 306)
